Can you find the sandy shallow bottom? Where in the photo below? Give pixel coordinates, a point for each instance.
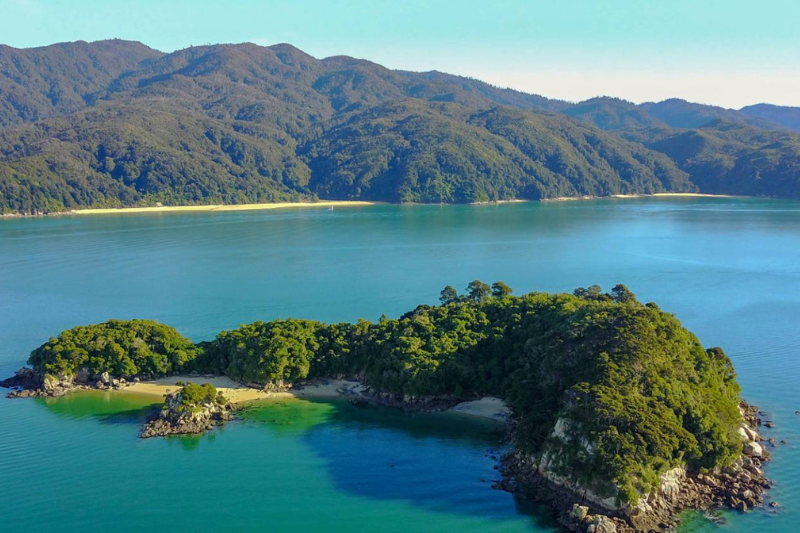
(488, 407)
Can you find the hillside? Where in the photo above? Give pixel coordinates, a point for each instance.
(734, 158)
(115, 123)
(788, 117)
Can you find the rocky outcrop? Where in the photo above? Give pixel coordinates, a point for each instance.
(27, 383)
(25, 380)
(178, 418)
(739, 486)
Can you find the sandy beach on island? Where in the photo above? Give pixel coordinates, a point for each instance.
(217, 207)
(238, 393)
(488, 407)
(235, 392)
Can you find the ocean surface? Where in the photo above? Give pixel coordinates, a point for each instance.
(728, 268)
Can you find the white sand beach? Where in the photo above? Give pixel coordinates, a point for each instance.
(488, 407)
(217, 207)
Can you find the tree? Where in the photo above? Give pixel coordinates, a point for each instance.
(478, 291)
(448, 295)
(622, 294)
(595, 292)
(500, 289)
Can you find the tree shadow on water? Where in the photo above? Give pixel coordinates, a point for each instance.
(441, 462)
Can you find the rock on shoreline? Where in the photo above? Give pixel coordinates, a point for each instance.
(28, 383)
(739, 486)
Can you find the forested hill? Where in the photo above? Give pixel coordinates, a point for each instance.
(115, 123)
(639, 391)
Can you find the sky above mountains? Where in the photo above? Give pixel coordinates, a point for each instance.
(730, 53)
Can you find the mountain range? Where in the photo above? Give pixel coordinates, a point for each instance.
(116, 123)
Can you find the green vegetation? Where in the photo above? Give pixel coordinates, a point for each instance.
(192, 395)
(634, 391)
(123, 348)
(114, 124)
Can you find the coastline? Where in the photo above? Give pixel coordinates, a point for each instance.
(216, 207)
(337, 203)
(192, 208)
(654, 195)
(487, 407)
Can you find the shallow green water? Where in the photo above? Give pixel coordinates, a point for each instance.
(729, 269)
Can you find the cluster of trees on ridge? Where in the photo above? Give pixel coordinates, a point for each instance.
(115, 123)
(631, 380)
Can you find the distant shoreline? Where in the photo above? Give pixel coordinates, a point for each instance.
(337, 203)
(217, 207)
(654, 195)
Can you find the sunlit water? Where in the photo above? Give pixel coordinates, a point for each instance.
(729, 269)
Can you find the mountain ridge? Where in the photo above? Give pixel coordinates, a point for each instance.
(115, 123)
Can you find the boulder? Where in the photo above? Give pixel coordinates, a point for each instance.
(742, 431)
(602, 524)
(579, 512)
(752, 449)
(105, 378)
(751, 434)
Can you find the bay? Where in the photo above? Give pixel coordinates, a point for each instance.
(728, 268)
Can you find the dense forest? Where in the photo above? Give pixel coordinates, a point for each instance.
(627, 377)
(115, 123)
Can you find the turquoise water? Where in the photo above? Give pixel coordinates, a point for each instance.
(728, 268)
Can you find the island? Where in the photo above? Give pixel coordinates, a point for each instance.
(192, 409)
(620, 418)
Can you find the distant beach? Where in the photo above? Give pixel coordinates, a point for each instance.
(216, 207)
(654, 195)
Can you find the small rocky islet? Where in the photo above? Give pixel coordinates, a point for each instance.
(191, 410)
(585, 376)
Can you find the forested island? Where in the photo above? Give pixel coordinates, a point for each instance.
(118, 124)
(620, 417)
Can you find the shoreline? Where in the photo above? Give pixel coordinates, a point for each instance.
(338, 203)
(633, 196)
(216, 207)
(193, 208)
(487, 407)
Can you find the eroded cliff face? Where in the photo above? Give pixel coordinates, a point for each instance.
(599, 508)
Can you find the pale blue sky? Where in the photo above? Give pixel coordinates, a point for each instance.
(729, 52)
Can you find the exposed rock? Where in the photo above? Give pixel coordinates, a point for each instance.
(602, 524)
(25, 378)
(752, 449)
(177, 418)
(738, 486)
(579, 512)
